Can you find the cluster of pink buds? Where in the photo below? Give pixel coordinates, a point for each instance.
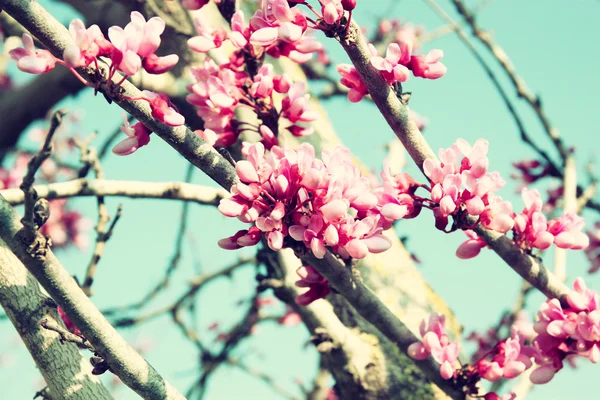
(317, 286)
(395, 67)
(532, 230)
(508, 359)
(275, 29)
(220, 89)
(461, 183)
(565, 332)
(560, 333)
(437, 344)
(129, 49)
(291, 195)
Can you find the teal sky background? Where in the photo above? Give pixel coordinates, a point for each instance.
(553, 45)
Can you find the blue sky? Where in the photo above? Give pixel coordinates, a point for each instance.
(551, 43)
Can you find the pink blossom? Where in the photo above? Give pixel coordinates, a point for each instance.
(332, 11)
(567, 232)
(240, 32)
(295, 106)
(194, 4)
(162, 108)
(67, 321)
(318, 288)
(276, 21)
(322, 203)
(31, 60)
(461, 183)
(392, 67)
(507, 361)
(263, 82)
(139, 39)
(208, 38)
(156, 65)
(472, 247)
(437, 344)
(428, 66)
(138, 136)
(352, 80)
(65, 226)
(88, 44)
(531, 226)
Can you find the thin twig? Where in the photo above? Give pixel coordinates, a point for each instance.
(29, 193)
(101, 239)
(66, 336)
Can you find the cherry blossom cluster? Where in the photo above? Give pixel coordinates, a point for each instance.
(566, 332)
(129, 49)
(560, 333)
(292, 197)
(275, 29)
(219, 90)
(436, 343)
(462, 187)
(461, 183)
(395, 68)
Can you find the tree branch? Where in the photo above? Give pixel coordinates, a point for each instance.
(56, 38)
(67, 374)
(396, 114)
(133, 189)
(123, 360)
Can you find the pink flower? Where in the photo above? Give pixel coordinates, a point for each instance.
(506, 362)
(31, 60)
(461, 181)
(472, 247)
(156, 65)
(392, 67)
(208, 38)
(194, 4)
(437, 344)
(162, 108)
(352, 80)
(295, 106)
(240, 33)
(276, 21)
(139, 39)
(332, 11)
(567, 232)
(318, 288)
(531, 228)
(263, 82)
(322, 203)
(138, 136)
(428, 66)
(88, 44)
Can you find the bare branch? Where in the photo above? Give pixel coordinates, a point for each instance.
(133, 189)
